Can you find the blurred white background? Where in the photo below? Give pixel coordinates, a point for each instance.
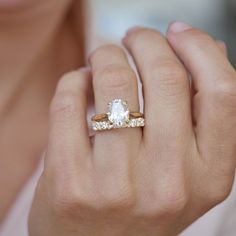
(218, 17)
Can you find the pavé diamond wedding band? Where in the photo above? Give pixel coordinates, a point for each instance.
(118, 116)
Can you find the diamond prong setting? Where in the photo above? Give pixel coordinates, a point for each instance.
(118, 116)
(118, 113)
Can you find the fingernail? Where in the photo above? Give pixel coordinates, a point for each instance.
(222, 43)
(178, 27)
(133, 29)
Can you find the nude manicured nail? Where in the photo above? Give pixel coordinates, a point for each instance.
(222, 43)
(178, 27)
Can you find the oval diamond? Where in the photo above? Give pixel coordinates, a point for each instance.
(118, 113)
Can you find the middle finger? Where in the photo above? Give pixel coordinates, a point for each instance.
(166, 87)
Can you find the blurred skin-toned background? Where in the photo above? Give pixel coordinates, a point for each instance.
(218, 17)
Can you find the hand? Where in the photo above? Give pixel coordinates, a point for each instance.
(151, 181)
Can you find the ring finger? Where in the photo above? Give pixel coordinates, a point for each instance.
(113, 78)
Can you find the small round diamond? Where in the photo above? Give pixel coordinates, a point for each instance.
(132, 123)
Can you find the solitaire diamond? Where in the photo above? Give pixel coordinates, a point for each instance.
(118, 113)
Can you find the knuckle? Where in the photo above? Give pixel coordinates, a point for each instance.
(115, 77)
(225, 91)
(169, 76)
(100, 51)
(69, 94)
(66, 80)
(198, 38)
(173, 202)
(167, 69)
(116, 199)
(166, 202)
(71, 80)
(66, 200)
(218, 195)
(64, 102)
(143, 34)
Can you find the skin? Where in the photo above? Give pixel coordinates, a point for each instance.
(145, 180)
